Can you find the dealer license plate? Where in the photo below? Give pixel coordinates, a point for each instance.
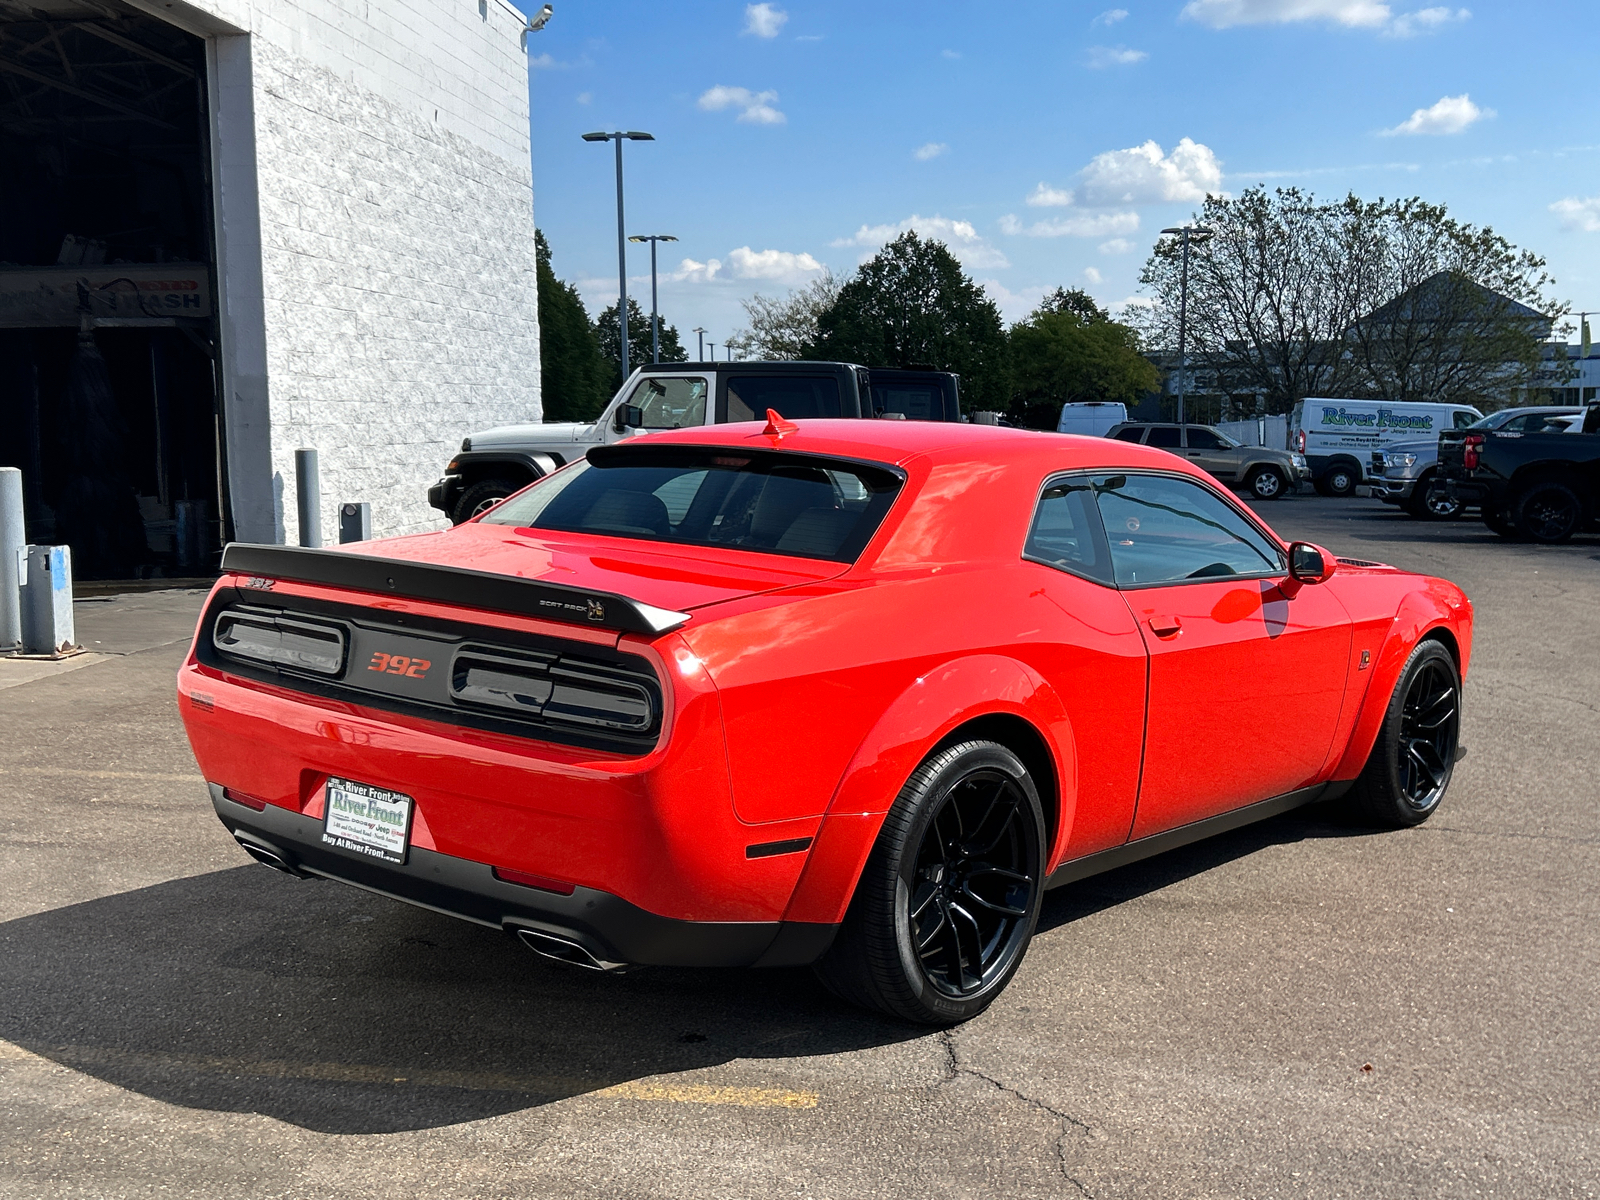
(366, 820)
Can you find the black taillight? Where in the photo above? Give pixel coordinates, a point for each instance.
(1471, 447)
(274, 640)
(553, 688)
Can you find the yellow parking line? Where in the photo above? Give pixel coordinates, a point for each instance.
(85, 1057)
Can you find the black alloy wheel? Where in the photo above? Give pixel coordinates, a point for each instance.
(1417, 746)
(948, 901)
(1548, 512)
(1265, 483)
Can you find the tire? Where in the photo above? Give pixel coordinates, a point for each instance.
(1548, 513)
(1266, 483)
(920, 883)
(480, 496)
(1430, 502)
(1338, 480)
(1409, 769)
(1498, 523)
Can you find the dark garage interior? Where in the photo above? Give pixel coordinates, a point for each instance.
(108, 365)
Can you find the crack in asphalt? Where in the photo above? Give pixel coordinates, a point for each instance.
(954, 1069)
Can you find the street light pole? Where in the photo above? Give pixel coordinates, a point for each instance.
(701, 352)
(655, 317)
(1185, 232)
(713, 346)
(622, 241)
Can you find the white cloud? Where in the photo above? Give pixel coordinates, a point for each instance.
(1223, 14)
(1140, 175)
(1451, 114)
(973, 251)
(585, 97)
(1091, 275)
(1101, 57)
(1116, 246)
(1110, 17)
(692, 271)
(930, 150)
(1582, 215)
(1088, 225)
(1353, 14)
(950, 53)
(1425, 20)
(785, 266)
(1014, 305)
(763, 20)
(755, 108)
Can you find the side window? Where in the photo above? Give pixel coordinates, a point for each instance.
(1066, 531)
(670, 402)
(1166, 530)
(1463, 419)
(794, 396)
(1165, 436)
(1204, 439)
(1133, 433)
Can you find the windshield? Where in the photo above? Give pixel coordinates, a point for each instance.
(801, 505)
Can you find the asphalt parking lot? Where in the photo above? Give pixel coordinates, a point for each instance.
(1304, 1008)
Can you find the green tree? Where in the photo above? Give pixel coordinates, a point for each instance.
(572, 375)
(785, 328)
(912, 305)
(638, 342)
(1070, 350)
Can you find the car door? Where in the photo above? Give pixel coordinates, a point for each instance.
(1089, 649)
(1247, 667)
(1210, 453)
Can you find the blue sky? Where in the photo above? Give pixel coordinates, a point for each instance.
(1047, 143)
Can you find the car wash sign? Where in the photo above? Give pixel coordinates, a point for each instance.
(125, 292)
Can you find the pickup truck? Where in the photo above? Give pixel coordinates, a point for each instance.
(1544, 487)
(493, 463)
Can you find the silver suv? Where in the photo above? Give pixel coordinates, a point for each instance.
(1262, 473)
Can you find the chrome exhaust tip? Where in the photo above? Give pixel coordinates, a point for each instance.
(269, 858)
(550, 945)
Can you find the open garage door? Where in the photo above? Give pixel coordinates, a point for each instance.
(108, 330)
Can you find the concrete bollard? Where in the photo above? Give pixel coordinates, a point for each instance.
(13, 542)
(47, 626)
(355, 523)
(308, 490)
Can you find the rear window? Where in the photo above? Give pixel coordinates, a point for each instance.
(918, 401)
(776, 503)
(794, 396)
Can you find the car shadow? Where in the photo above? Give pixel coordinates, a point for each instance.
(344, 1012)
(1099, 892)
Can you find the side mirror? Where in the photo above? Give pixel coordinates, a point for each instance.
(630, 416)
(1309, 563)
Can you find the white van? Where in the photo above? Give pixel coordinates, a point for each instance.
(1091, 418)
(1338, 436)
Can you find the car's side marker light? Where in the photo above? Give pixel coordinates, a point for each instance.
(771, 849)
(254, 802)
(506, 875)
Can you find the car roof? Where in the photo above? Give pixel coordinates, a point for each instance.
(898, 442)
(785, 367)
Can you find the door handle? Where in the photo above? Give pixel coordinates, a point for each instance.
(1165, 627)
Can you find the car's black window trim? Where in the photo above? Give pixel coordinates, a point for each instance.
(1282, 571)
(1081, 478)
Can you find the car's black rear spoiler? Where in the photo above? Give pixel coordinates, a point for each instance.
(481, 590)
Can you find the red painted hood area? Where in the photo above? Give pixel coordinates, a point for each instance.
(680, 578)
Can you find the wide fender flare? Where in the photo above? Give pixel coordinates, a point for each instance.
(939, 701)
(1419, 615)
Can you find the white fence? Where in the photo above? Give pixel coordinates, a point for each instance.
(1258, 431)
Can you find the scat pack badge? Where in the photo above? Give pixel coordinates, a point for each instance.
(597, 610)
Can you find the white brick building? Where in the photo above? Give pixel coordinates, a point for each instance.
(369, 233)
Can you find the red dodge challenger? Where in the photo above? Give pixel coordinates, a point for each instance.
(847, 693)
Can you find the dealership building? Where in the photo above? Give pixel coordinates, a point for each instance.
(233, 228)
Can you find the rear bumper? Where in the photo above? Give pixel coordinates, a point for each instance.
(1467, 492)
(612, 930)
